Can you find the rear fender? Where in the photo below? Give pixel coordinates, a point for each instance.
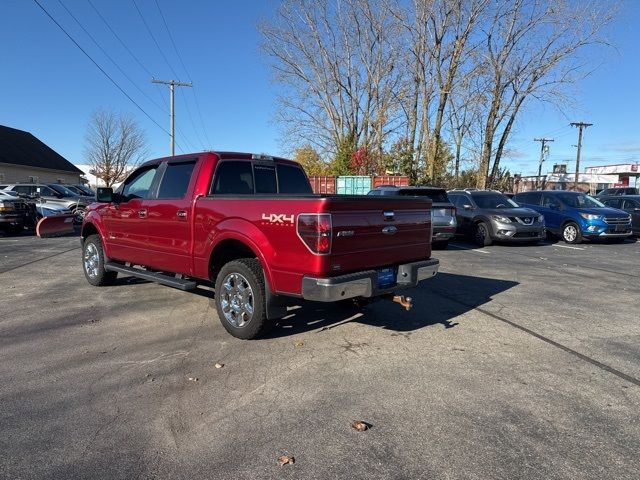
(248, 234)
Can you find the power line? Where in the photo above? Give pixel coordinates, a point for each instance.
(137, 60)
(193, 91)
(100, 68)
(155, 41)
(111, 59)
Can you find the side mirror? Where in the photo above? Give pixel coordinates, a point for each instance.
(104, 194)
(467, 207)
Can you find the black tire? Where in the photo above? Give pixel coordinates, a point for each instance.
(98, 276)
(237, 272)
(78, 214)
(440, 245)
(571, 233)
(482, 234)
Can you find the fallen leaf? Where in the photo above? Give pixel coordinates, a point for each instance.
(299, 344)
(219, 365)
(286, 460)
(360, 425)
(193, 379)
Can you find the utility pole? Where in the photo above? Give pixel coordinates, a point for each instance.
(172, 84)
(580, 125)
(543, 142)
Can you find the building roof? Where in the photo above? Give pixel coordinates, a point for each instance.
(18, 147)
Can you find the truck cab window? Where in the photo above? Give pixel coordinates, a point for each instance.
(139, 184)
(175, 180)
(233, 178)
(292, 180)
(265, 176)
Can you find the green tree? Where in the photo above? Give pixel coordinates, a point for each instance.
(341, 164)
(310, 160)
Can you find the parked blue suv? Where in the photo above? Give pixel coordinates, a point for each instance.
(574, 215)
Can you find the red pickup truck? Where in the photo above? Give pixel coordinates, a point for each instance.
(251, 226)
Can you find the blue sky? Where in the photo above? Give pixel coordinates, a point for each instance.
(48, 87)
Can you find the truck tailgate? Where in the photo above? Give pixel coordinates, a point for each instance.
(370, 232)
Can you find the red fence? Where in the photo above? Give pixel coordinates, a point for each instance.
(327, 183)
(323, 184)
(397, 180)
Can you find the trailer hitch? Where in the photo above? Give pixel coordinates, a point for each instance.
(406, 302)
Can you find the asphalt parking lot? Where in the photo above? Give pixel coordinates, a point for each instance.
(516, 362)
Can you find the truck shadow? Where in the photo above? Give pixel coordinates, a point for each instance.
(440, 300)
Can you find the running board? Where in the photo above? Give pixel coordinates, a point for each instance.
(160, 278)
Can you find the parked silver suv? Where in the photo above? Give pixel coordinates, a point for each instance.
(52, 193)
(488, 215)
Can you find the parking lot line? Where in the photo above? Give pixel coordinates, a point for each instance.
(568, 246)
(581, 356)
(461, 247)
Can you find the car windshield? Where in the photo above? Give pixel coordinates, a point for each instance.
(63, 191)
(579, 200)
(495, 200)
(85, 190)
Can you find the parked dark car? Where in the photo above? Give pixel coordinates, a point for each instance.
(574, 215)
(15, 213)
(618, 191)
(444, 212)
(628, 203)
(53, 193)
(487, 215)
(81, 190)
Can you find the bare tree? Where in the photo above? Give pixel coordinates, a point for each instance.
(113, 145)
(337, 60)
(532, 53)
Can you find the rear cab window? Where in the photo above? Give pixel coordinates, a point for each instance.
(244, 177)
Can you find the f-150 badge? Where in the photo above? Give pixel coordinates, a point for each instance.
(277, 218)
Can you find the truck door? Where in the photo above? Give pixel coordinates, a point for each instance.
(126, 220)
(169, 217)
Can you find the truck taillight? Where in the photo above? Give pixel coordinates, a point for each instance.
(315, 231)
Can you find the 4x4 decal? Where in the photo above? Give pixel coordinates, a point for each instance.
(278, 218)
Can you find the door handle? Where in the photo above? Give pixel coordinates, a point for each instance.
(142, 213)
(182, 214)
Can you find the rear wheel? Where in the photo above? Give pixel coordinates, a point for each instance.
(571, 233)
(240, 299)
(93, 262)
(482, 234)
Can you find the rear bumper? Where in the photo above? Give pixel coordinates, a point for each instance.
(442, 233)
(365, 284)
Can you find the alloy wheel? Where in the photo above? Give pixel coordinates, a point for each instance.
(237, 300)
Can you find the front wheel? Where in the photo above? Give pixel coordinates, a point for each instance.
(571, 233)
(240, 299)
(93, 262)
(482, 235)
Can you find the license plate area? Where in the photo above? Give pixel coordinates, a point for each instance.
(621, 228)
(387, 277)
